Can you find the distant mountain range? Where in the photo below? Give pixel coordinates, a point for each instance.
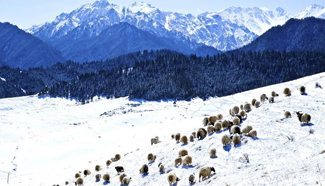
(295, 35)
(101, 31)
(117, 40)
(227, 29)
(21, 49)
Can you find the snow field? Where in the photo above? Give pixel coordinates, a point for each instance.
(46, 141)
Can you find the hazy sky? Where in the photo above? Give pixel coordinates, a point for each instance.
(26, 13)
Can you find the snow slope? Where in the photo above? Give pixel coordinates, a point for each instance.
(46, 141)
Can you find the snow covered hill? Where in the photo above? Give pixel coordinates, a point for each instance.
(225, 30)
(46, 141)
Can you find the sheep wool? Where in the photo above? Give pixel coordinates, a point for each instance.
(217, 127)
(287, 92)
(187, 160)
(182, 153)
(210, 129)
(191, 138)
(213, 153)
(178, 161)
(172, 178)
(247, 129)
(122, 176)
(225, 140)
(184, 140)
(252, 133)
(287, 114)
(236, 121)
(205, 172)
(177, 137)
(126, 180)
(236, 139)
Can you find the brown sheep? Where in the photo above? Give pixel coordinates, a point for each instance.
(108, 163)
(213, 153)
(241, 107)
(247, 107)
(178, 161)
(235, 130)
(205, 172)
(287, 92)
(242, 114)
(257, 104)
(187, 161)
(252, 133)
(263, 97)
(122, 176)
(106, 177)
(220, 116)
(80, 181)
(155, 140)
(236, 139)
(172, 178)
(126, 180)
(194, 134)
(77, 175)
(302, 90)
(87, 172)
(161, 168)
(225, 140)
(116, 158)
(253, 102)
(119, 169)
(151, 157)
(235, 110)
(210, 129)
(191, 178)
(217, 127)
(236, 121)
(213, 119)
(98, 168)
(274, 94)
(205, 121)
(184, 140)
(178, 137)
(182, 152)
(247, 129)
(201, 133)
(173, 136)
(98, 176)
(225, 124)
(305, 118)
(191, 138)
(271, 100)
(287, 114)
(231, 113)
(66, 183)
(144, 169)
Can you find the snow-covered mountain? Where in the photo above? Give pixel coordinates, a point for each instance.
(46, 141)
(311, 11)
(225, 30)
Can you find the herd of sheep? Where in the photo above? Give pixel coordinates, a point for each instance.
(211, 124)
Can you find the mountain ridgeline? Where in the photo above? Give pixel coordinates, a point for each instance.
(23, 50)
(120, 39)
(295, 35)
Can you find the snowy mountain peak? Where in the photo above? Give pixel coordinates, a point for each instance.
(101, 3)
(141, 7)
(314, 10)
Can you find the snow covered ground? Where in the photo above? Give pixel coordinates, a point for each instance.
(46, 141)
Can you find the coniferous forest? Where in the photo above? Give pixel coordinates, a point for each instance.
(165, 75)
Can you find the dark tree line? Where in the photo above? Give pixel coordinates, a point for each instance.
(177, 76)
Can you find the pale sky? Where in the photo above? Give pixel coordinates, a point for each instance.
(26, 13)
